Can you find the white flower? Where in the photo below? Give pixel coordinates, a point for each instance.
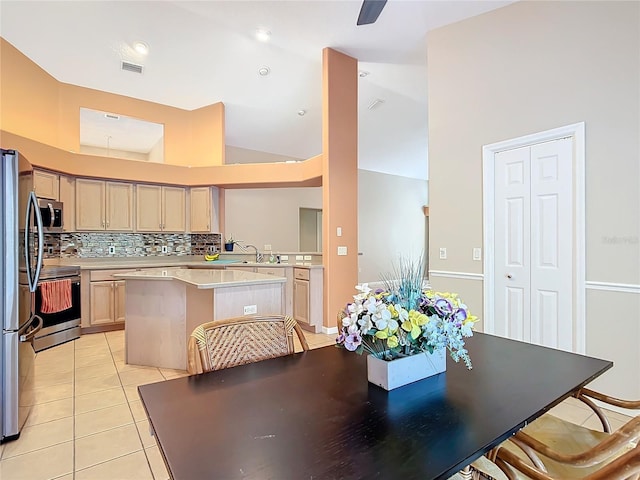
(364, 292)
(365, 323)
(351, 322)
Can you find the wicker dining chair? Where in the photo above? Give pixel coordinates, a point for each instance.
(237, 341)
(558, 449)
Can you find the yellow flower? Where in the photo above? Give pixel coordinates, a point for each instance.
(382, 334)
(414, 322)
(392, 341)
(392, 310)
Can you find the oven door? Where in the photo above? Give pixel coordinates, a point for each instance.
(57, 327)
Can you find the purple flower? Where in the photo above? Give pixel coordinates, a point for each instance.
(460, 315)
(352, 342)
(340, 338)
(443, 306)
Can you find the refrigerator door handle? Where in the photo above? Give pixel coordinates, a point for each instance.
(33, 276)
(26, 335)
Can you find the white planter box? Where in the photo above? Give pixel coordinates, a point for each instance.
(402, 371)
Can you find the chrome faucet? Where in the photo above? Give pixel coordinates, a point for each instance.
(259, 256)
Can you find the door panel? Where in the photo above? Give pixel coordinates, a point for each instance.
(551, 251)
(512, 243)
(119, 206)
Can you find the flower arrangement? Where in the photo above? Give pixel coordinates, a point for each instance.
(403, 319)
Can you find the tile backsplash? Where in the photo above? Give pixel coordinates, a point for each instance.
(96, 245)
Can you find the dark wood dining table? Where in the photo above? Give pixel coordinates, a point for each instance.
(313, 415)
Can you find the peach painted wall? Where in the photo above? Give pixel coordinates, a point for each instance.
(37, 106)
(302, 174)
(340, 179)
(28, 97)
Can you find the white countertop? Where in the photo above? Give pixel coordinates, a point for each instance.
(203, 278)
(109, 263)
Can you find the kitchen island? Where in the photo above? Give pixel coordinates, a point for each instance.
(164, 305)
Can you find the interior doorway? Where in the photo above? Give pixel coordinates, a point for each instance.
(533, 220)
(310, 237)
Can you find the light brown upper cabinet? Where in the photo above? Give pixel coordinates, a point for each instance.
(160, 208)
(203, 212)
(104, 205)
(46, 185)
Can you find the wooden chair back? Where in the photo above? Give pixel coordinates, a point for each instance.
(237, 341)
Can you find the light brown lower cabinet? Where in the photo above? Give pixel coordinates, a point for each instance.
(107, 302)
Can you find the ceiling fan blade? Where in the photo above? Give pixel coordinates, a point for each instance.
(370, 11)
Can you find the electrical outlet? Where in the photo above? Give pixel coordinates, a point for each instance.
(164, 249)
(443, 253)
(477, 254)
(250, 309)
(267, 247)
(112, 250)
(342, 251)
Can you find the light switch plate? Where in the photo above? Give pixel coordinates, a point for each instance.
(307, 257)
(284, 258)
(342, 251)
(338, 231)
(250, 309)
(477, 254)
(443, 253)
(299, 257)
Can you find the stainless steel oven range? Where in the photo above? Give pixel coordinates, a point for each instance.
(63, 325)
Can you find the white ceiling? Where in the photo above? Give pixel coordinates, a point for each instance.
(202, 52)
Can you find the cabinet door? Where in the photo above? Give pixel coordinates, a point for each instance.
(301, 301)
(45, 185)
(200, 209)
(174, 209)
(148, 211)
(119, 206)
(102, 302)
(119, 300)
(90, 196)
(68, 199)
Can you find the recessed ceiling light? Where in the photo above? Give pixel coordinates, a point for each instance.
(264, 71)
(263, 35)
(362, 73)
(302, 113)
(141, 47)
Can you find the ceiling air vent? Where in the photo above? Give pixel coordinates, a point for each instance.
(131, 67)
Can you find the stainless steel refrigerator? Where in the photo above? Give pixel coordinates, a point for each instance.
(16, 351)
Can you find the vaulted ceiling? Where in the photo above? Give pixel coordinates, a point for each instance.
(202, 52)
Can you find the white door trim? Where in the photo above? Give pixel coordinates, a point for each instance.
(577, 132)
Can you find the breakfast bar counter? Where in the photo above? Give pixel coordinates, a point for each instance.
(164, 305)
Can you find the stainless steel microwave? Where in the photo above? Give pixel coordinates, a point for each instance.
(52, 215)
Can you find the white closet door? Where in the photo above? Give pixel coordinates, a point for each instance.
(533, 238)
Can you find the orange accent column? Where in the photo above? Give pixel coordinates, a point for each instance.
(339, 180)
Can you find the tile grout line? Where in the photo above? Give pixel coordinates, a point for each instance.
(144, 451)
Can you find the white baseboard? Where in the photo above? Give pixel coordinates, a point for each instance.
(329, 330)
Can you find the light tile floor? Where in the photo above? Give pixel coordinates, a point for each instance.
(87, 421)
